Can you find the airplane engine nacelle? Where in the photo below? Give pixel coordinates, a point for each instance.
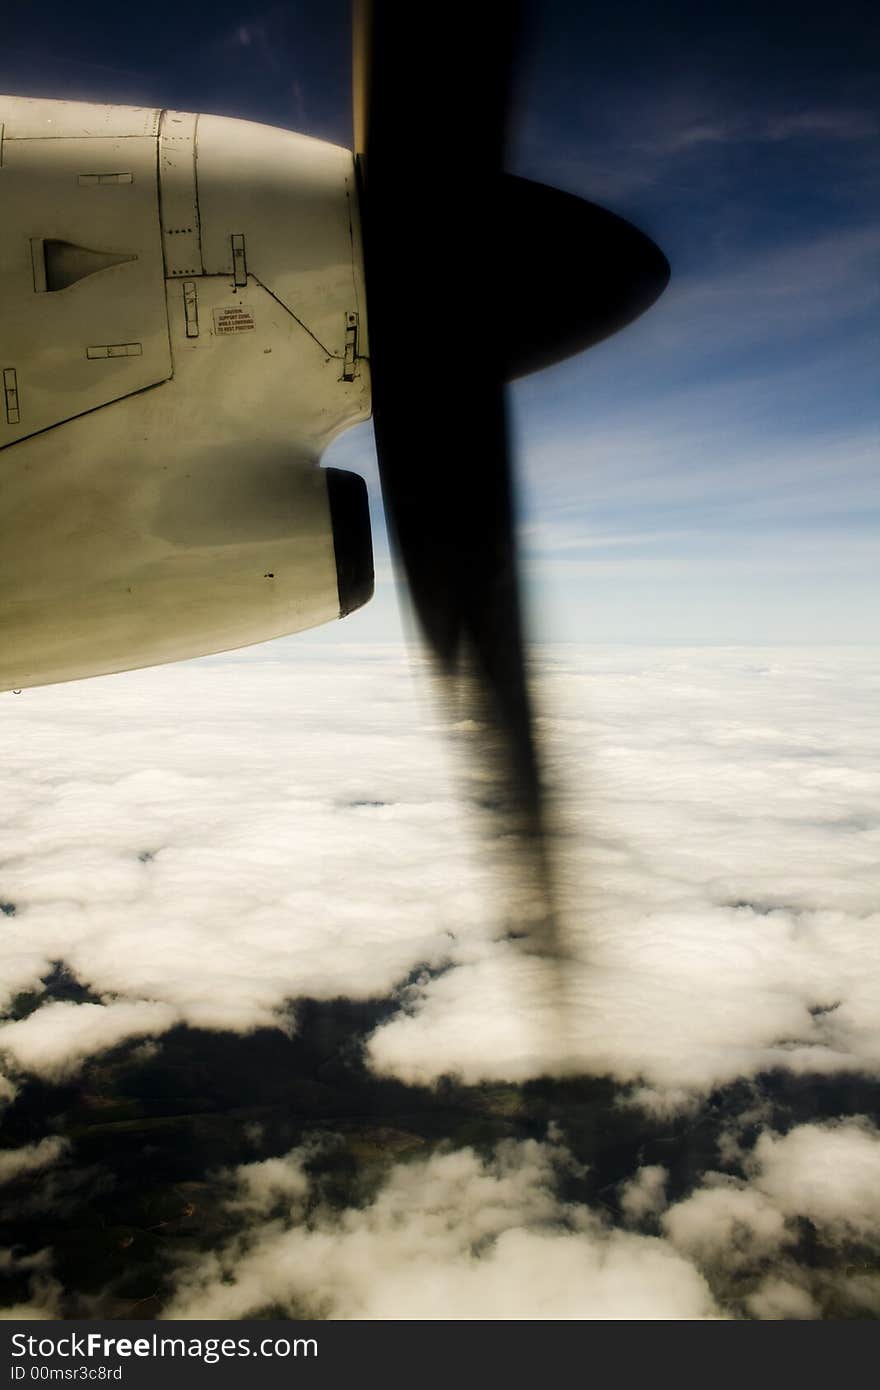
(182, 333)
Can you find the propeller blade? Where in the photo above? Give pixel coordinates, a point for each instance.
(430, 119)
(473, 278)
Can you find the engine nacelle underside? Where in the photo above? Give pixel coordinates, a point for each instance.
(182, 333)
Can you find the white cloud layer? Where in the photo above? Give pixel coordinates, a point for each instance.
(743, 1233)
(15, 1163)
(447, 1237)
(55, 1040)
(44, 1292)
(644, 1195)
(206, 842)
(721, 873)
(829, 1173)
(455, 1236)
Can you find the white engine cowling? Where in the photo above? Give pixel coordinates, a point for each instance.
(182, 333)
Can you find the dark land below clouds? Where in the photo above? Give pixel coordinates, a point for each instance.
(155, 1128)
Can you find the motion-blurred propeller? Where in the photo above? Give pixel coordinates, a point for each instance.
(473, 278)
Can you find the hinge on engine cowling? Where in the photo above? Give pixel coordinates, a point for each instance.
(349, 360)
(10, 390)
(191, 308)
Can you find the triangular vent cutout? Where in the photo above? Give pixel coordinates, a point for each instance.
(67, 263)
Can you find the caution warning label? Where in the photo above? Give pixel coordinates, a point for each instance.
(235, 319)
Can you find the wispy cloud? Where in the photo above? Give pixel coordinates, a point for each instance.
(680, 133)
(624, 144)
(31, 1158)
(793, 289)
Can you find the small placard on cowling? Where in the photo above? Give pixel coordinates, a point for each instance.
(234, 319)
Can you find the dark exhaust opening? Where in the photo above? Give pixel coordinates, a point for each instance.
(352, 538)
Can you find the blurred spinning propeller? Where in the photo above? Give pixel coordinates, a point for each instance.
(474, 277)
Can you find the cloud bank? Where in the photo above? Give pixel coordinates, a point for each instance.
(799, 1235)
(451, 1236)
(208, 843)
(458, 1235)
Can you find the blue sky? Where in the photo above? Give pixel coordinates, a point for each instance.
(714, 468)
(711, 474)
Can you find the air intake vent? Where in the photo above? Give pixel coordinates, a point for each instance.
(59, 264)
